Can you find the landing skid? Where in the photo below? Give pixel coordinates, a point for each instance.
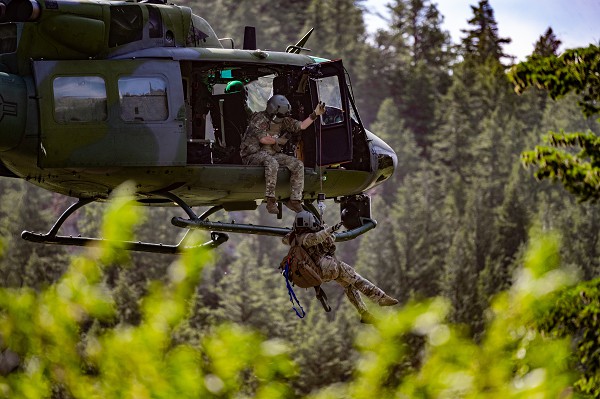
(218, 229)
(203, 223)
(52, 238)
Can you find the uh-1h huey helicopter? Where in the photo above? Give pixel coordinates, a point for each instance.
(94, 93)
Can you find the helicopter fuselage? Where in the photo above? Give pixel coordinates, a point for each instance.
(93, 94)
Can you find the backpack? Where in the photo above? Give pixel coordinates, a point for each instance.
(300, 268)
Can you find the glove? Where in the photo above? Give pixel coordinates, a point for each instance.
(335, 227)
(286, 135)
(320, 110)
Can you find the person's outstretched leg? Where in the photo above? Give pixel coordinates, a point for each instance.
(348, 275)
(373, 292)
(354, 297)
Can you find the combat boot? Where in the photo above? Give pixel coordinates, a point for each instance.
(387, 300)
(294, 205)
(272, 205)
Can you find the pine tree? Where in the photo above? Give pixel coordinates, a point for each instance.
(324, 349)
(418, 64)
(510, 226)
(390, 127)
(482, 42)
(532, 103)
(278, 23)
(458, 126)
(421, 235)
(581, 238)
(253, 292)
(459, 283)
(547, 45)
(378, 257)
(25, 207)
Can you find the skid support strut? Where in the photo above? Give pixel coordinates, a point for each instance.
(52, 236)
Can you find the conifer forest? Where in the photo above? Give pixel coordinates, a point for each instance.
(488, 234)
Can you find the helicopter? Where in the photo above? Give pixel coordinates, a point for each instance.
(94, 93)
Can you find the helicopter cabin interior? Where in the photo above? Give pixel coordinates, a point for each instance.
(176, 113)
(219, 117)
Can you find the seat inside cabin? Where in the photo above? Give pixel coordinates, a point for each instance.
(218, 125)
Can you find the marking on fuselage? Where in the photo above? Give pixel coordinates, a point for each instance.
(51, 5)
(7, 108)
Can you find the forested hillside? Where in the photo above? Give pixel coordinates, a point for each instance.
(453, 221)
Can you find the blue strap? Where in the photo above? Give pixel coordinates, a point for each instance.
(291, 293)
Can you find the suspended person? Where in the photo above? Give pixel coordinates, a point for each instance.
(319, 243)
(268, 131)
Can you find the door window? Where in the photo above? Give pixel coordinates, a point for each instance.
(143, 98)
(79, 99)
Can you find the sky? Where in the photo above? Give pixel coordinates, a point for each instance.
(575, 22)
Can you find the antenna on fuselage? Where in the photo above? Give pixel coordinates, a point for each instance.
(249, 38)
(296, 48)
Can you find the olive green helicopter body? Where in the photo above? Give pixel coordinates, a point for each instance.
(96, 93)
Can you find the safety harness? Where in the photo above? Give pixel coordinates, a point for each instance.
(298, 268)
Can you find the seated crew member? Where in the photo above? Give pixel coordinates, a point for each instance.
(267, 132)
(319, 243)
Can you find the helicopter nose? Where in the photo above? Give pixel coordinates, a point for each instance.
(13, 110)
(385, 158)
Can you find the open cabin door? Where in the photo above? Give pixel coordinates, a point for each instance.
(101, 113)
(333, 129)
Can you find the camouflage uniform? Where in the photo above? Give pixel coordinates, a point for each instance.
(321, 247)
(255, 153)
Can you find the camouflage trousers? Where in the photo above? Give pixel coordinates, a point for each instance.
(332, 269)
(271, 164)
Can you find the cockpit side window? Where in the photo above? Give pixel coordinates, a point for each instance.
(79, 99)
(329, 92)
(143, 98)
(155, 22)
(126, 25)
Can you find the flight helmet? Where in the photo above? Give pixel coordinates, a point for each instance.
(305, 219)
(234, 86)
(278, 107)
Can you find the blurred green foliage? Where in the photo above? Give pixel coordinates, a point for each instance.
(571, 158)
(45, 330)
(576, 313)
(61, 357)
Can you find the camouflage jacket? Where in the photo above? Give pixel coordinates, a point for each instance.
(318, 245)
(260, 126)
